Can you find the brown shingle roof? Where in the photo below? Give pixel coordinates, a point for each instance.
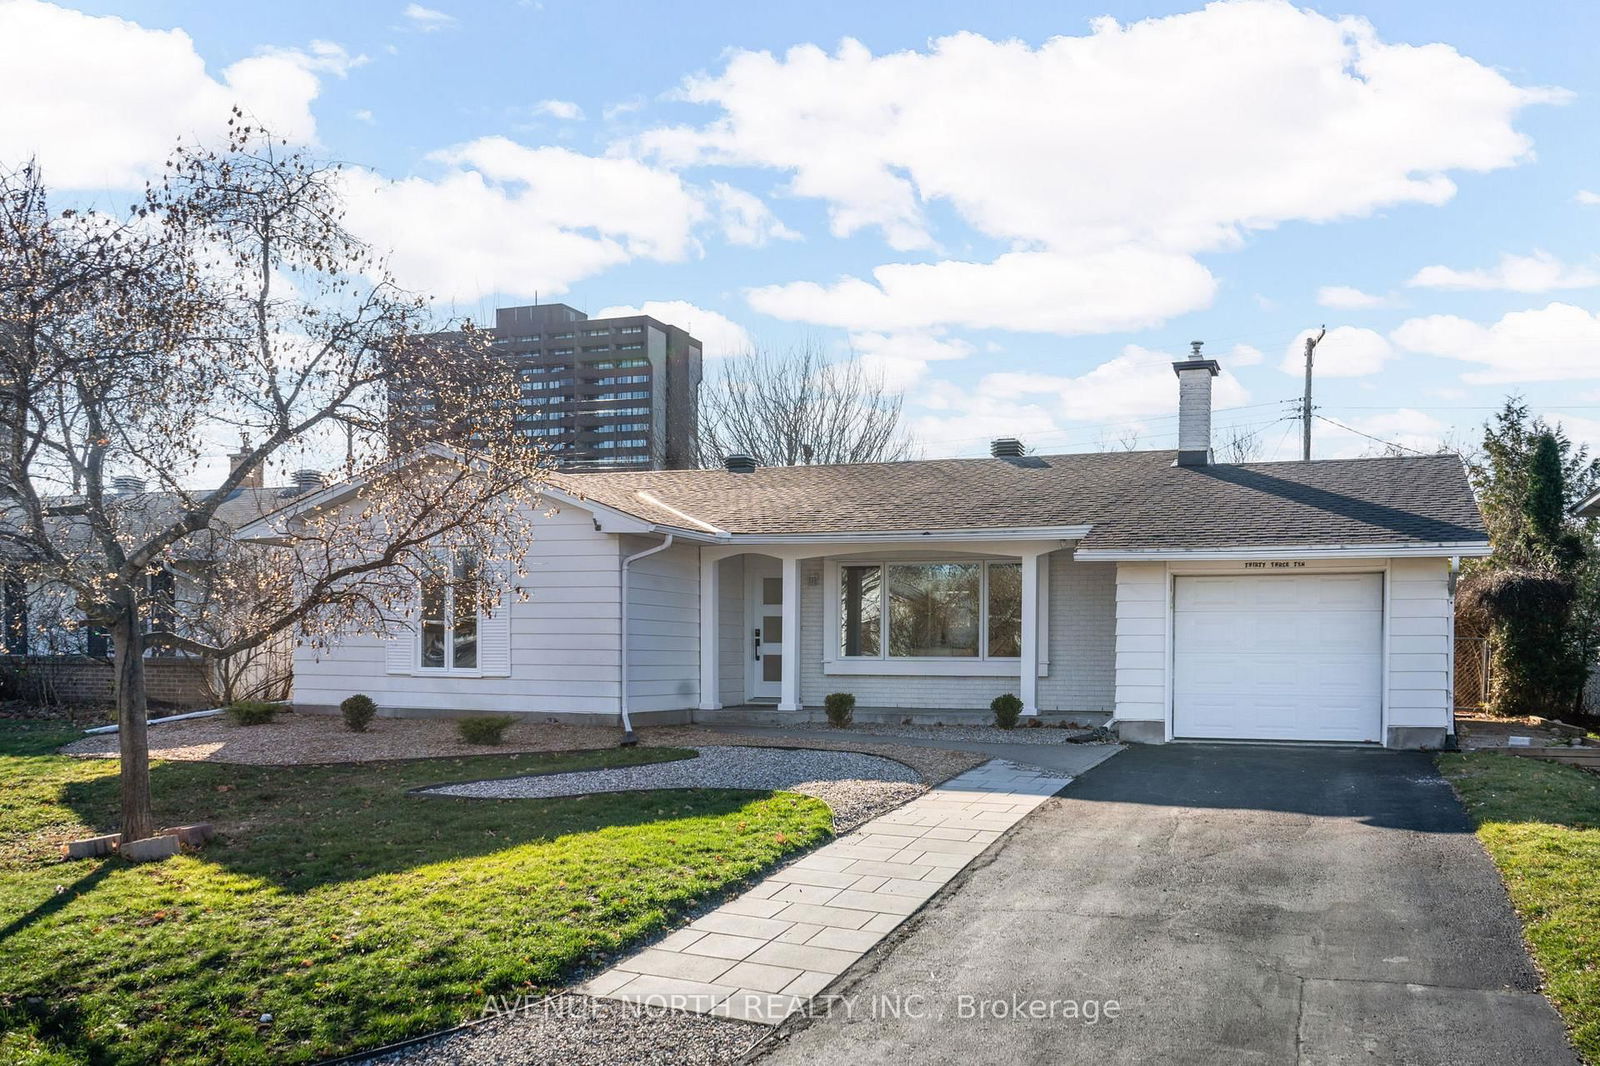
(1133, 500)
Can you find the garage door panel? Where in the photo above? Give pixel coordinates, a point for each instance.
(1281, 657)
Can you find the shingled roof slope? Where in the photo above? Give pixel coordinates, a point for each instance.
(1133, 500)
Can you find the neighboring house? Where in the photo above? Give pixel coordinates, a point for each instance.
(52, 655)
(1173, 596)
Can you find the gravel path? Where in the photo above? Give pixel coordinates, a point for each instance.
(571, 1030)
(855, 787)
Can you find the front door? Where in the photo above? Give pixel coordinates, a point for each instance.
(764, 640)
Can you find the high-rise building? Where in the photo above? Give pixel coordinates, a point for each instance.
(597, 393)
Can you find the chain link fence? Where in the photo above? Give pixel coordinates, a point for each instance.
(1473, 669)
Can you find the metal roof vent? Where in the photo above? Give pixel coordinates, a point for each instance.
(127, 485)
(739, 463)
(307, 480)
(1006, 448)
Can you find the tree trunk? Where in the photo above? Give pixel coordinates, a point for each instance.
(138, 819)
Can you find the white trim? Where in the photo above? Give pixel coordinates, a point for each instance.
(789, 700)
(941, 666)
(923, 667)
(1172, 575)
(1474, 549)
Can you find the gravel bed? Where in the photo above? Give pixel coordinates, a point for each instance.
(856, 787)
(305, 739)
(572, 1030)
(959, 734)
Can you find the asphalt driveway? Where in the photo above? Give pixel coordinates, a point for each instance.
(1238, 904)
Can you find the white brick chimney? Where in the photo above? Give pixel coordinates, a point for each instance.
(1194, 406)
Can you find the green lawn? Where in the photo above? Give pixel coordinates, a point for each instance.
(351, 912)
(1541, 824)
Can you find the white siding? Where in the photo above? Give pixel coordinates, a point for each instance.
(1419, 642)
(1416, 631)
(663, 626)
(564, 639)
(1141, 629)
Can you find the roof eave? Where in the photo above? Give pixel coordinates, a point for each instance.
(1400, 549)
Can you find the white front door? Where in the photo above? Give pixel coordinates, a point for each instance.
(1278, 657)
(764, 638)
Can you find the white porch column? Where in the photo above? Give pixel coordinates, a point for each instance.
(789, 689)
(1028, 681)
(710, 617)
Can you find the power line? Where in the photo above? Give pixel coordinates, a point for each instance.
(1369, 436)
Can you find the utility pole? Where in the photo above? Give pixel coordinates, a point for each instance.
(1305, 406)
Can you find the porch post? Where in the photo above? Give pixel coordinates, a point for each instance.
(710, 587)
(1028, 681)
(789, 689)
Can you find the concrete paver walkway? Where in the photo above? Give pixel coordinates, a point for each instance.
(763, 955)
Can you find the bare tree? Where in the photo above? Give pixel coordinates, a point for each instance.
(229, 300)
(1236, 444)
(795, 407)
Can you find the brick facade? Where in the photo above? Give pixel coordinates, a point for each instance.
(174, 682)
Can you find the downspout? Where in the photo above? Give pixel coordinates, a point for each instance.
(628, 739)
(1451, 741)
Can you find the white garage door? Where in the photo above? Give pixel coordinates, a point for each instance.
(1279, 657)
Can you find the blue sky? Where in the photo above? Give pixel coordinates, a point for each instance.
(1018, 212)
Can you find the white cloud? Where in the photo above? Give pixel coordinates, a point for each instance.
(521, 221)
(1243, 355)
(1346, 352)
(1137, 383)
(363, 115)
(1539, 272)
(718, 335)
(427, 19)
(1107, 402)
(1347, 298)
(1581, 430)
(1122, 289)
(100, 101)
(1132, 156)
(1587, 197)
(1411, 429)
(902, 358)
(1558, 342)
(746, 219)
(565, 110)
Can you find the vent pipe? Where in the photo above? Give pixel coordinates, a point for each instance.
(127, 485)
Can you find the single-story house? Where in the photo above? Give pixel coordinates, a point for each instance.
(1171, 595)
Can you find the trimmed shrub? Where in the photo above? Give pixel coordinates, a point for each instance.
(1007, 710)
(358, 711)
(489, 729)
(841, 708)
(253, 712)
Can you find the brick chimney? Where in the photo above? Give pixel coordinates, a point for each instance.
(1194, 406)
(254, 481)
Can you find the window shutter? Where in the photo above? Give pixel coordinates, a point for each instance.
(494, 630)
(401, 654)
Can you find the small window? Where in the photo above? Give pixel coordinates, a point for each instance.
(448, 631)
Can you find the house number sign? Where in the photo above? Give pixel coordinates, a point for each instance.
(1293, 564)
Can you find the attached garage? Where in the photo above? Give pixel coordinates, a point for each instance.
(1278, 657)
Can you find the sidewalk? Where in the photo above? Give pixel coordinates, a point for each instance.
(763, 955)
